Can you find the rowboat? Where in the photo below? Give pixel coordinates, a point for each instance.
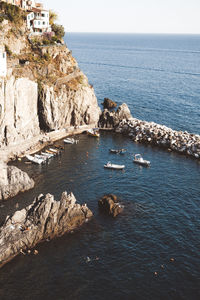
(40, 156)
(109, 165)
(70, 141)
(48, 155)
(139, 160)
(35, 160)
(93, 132)
(54, 150)
(118, 151)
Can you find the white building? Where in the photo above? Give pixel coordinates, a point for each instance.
(38, 21)
(3, 64)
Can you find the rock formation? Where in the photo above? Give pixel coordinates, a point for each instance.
(13, 181)
(109, 104)
(44, 219)
(110, 205)
(111, 119)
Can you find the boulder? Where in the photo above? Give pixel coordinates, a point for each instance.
(109, 104)
(13, 181)
(110, 205)
(43, 220)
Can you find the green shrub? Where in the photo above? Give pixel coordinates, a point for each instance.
(1, 19)
(12, 12)
(58, 30)
(8, 51)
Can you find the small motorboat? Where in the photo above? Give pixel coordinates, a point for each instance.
(138, 159)
(93, 132)
(35, 160)
(109, 165)
(118, 151)
(70, 141)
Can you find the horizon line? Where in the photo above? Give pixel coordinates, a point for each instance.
(150, 33)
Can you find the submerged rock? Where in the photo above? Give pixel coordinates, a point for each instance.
(43, 220)
(13, 181)
(110, 205)
(108, 103)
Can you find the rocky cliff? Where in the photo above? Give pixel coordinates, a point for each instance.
(44, 89)
(43, 220)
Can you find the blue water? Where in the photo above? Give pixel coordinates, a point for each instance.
(159, 78)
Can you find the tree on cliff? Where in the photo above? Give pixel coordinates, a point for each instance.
(58, 30)
(52, 17)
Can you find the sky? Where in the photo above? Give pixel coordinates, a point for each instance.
(128, 16)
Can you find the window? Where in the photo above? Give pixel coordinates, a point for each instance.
(43, 15)
(38, 22)
(4, 55)
(43, 23)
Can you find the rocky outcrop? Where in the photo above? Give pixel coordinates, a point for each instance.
(110, 205)
(111, 119)
(109, 104)
(44, 219)
(13, 181)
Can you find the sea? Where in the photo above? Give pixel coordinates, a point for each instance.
(152, 250)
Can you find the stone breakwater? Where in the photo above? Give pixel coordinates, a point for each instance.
(160, 135)
(121, 121)
(43, 220)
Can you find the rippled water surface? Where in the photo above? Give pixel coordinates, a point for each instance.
(159, 78)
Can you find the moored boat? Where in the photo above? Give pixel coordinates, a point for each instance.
(138, 159)
(93, 132)
(117, 151)
(35, 160)
(109, 165)
(48, 155)
(70, 141)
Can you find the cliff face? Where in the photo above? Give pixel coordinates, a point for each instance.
(18, 110)
(44, 90)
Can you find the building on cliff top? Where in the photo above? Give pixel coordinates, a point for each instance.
(38, 21)
(3, 64)
(37, 18)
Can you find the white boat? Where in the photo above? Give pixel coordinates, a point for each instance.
(56, 151)
(35, 160)
(138, 159)
(93, 132)
(70, 141)
(109, 165)
(41, 156)
(48, 155)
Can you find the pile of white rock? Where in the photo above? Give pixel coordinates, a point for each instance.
(152, 133)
